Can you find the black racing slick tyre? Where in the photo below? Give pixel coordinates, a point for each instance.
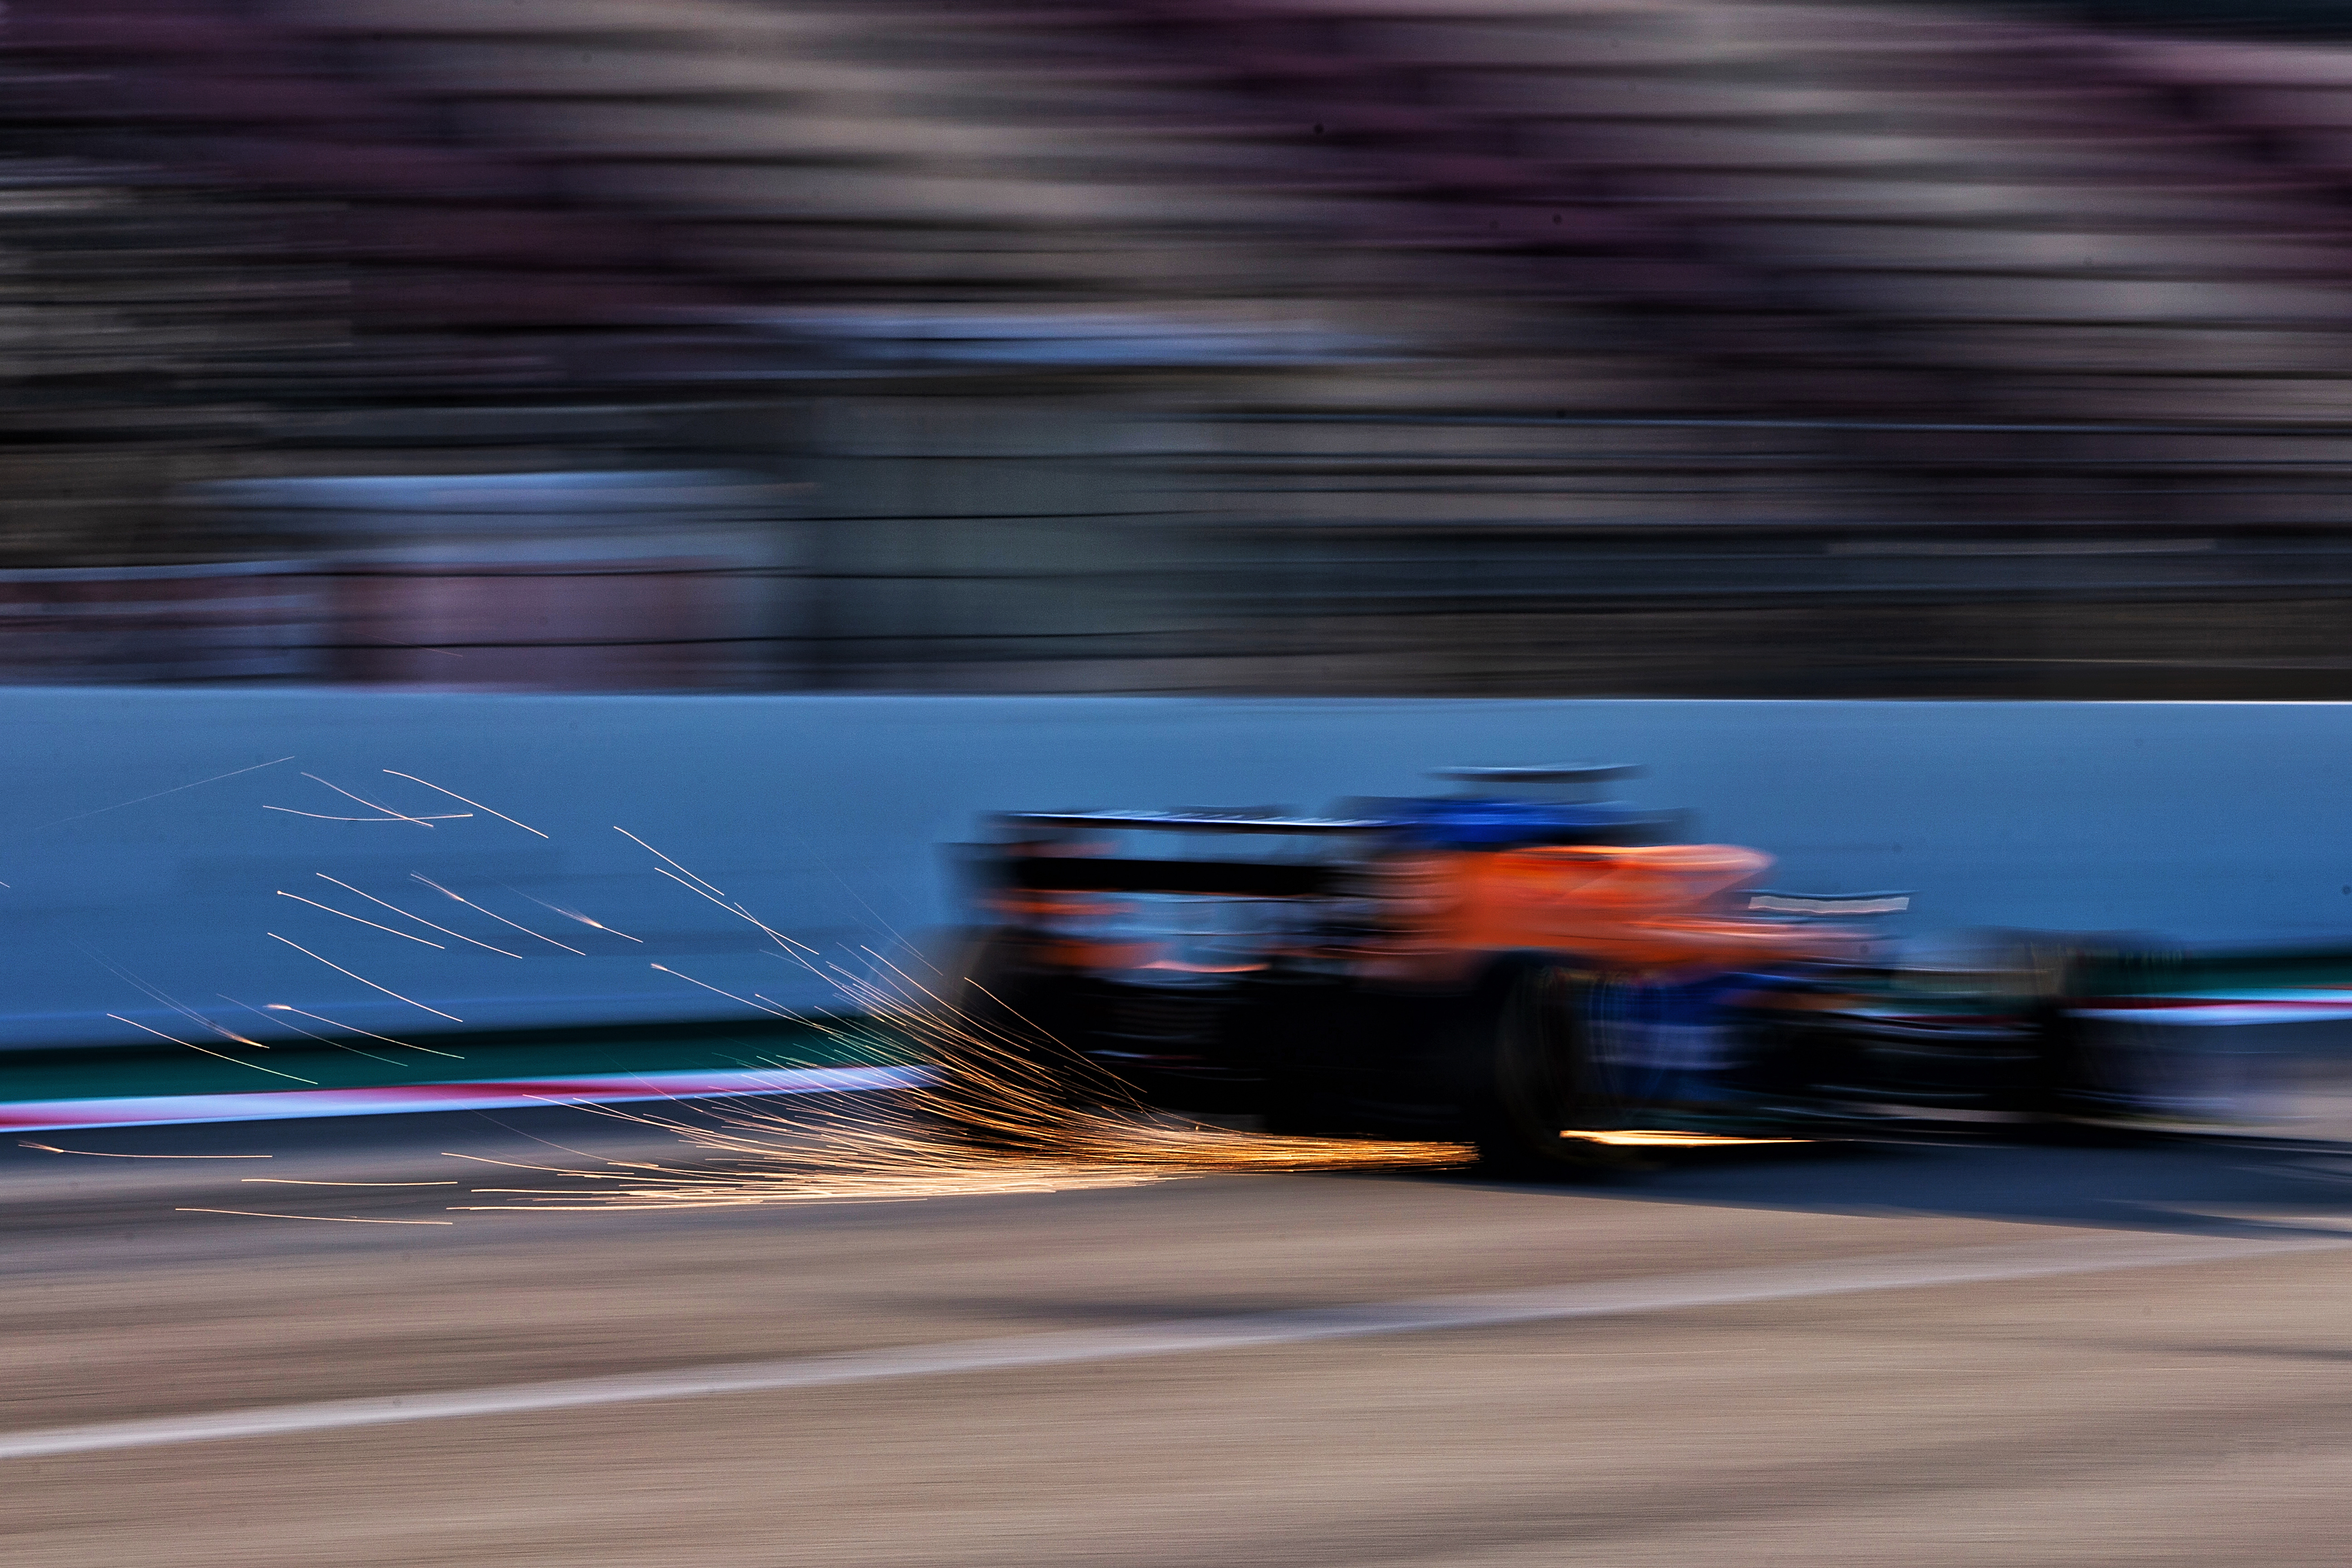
(1522, 1048)
(1290, 1036)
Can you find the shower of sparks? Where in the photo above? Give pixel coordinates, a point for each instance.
(420, 920)
(998, 1116)
(207, 1050)
(386, 930)
(453, 795)
(363, 979)
(502, 919)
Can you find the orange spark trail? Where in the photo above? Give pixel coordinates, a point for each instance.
(159, 794)
(420, 920)
(453, 795)
(659, 856)
(372, 805)
(173, 1003)
(690, 980)
(326, 1218)
(298, 1029)
(738, 910)
(206, 1050)
(386, 930)
(574, 915)
(333, 1023)
(500, 918)
(300, 1182)
(364, 979)
(105, 1154)
(321, 816)
(1637, 1138)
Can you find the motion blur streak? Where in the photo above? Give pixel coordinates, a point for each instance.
(1637, 1138)
(996, 1116)
(2073, 1255)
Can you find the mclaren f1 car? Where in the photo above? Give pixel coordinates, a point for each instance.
(1546, 974)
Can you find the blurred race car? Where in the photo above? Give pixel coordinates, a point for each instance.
(1547, 974)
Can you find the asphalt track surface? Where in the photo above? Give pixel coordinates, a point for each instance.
(1916, 1353)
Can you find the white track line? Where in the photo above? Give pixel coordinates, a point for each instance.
(414, 1099)
(2075, 1254)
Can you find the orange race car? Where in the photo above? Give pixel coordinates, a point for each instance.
(1545, 973)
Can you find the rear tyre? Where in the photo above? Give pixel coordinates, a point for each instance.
(1522, 1047)
(2073, 1080)
(1289, 1036)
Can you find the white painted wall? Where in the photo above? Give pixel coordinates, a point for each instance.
(824, 815)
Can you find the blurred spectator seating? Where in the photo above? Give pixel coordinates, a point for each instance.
(1610, 297)
(243, 621)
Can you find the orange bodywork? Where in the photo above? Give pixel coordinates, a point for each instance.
(1655, 911)
(1654, 908)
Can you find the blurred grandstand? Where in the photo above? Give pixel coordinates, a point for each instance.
(1723, 347)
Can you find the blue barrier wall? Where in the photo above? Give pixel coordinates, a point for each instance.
(823, 815)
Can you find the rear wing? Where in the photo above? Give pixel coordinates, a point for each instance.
(1193, 821)
(1003, 866)
(1228, 879)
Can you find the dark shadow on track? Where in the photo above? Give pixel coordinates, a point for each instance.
(2181, 1185)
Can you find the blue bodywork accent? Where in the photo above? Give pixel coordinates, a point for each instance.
(1456, 821)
